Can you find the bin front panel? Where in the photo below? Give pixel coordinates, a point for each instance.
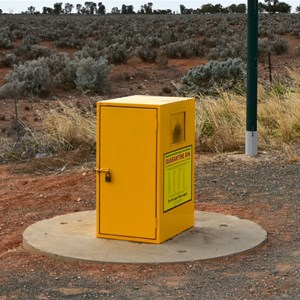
(128, 145)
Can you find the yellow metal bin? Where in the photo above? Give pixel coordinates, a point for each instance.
(145, 168)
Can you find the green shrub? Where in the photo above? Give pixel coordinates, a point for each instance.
(280, 46)
(6, 38)
(184, 49)
(91, 74)
(62, 70)
(30, 39)
(30, 78)
(147, 54)
(214, 76)
(88, 51)
(8, 60)
(6, 43)
(116, 53)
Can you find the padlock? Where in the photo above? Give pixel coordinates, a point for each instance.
(107, 176)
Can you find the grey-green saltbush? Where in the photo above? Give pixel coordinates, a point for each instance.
(8, 60)
(5, 38)
(88, 51)
(207, 79)
(30, 78)
(62, 70)
(91, 74)
(116, 53)
(277, 46)
(280, 46)
(185, 49)
(147, 54)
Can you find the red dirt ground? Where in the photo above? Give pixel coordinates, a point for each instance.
(265, 191)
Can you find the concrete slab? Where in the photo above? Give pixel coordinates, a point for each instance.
(72, 237)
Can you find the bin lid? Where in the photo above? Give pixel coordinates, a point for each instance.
(144, 100)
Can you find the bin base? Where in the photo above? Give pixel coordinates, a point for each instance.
(72, 237)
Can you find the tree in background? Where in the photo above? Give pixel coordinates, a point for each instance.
(1, 11)
(274, 6)
(57, 8)
(127, 9)
(182, 9)
(283, 7)
(93, 8)
(47, 10)
(237, 9)
(115, 10)
(298, 9)
(31, 9)
(68, 8)
(241, 8)
(162, 12)
(78, 7)
(208, 9)
(90, 8)
(101, 9)
(146, 8)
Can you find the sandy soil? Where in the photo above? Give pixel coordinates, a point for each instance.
(263, 189)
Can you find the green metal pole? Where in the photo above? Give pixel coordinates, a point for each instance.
(252, 46)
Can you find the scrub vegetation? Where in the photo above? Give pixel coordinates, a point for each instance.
(79, 52)
(221, 121)
(110, 39)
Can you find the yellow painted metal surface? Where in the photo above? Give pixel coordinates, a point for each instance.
(145, 168)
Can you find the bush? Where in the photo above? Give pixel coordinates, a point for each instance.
(116, 53)
(30, 39)
(185, 49)
(276, 46)
(36, 51)
(62, 70)
(88, 51)
(6, 43)
(8, 60)
(91, 74)
(207, 79)
(280, 46)
(147, 54)
(30, 78)
(6, 38)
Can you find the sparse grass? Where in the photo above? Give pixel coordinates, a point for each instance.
(221, 122)
(70, 127)
(64, 128)
(220, 125)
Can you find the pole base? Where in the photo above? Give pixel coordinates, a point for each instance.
(251, 143)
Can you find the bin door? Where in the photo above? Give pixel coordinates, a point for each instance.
(128, 142)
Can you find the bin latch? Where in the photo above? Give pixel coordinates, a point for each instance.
(107, 173)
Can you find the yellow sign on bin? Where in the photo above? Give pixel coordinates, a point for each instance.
(145, 168)
(177, 177)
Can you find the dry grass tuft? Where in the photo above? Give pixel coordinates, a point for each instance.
(221, 122)
(68, 127)
(64, 128)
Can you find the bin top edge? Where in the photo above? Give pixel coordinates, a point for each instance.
(144, 100)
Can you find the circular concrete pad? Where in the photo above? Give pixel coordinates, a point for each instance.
(72, 236)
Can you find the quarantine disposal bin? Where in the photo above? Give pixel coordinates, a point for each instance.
(145, 168)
